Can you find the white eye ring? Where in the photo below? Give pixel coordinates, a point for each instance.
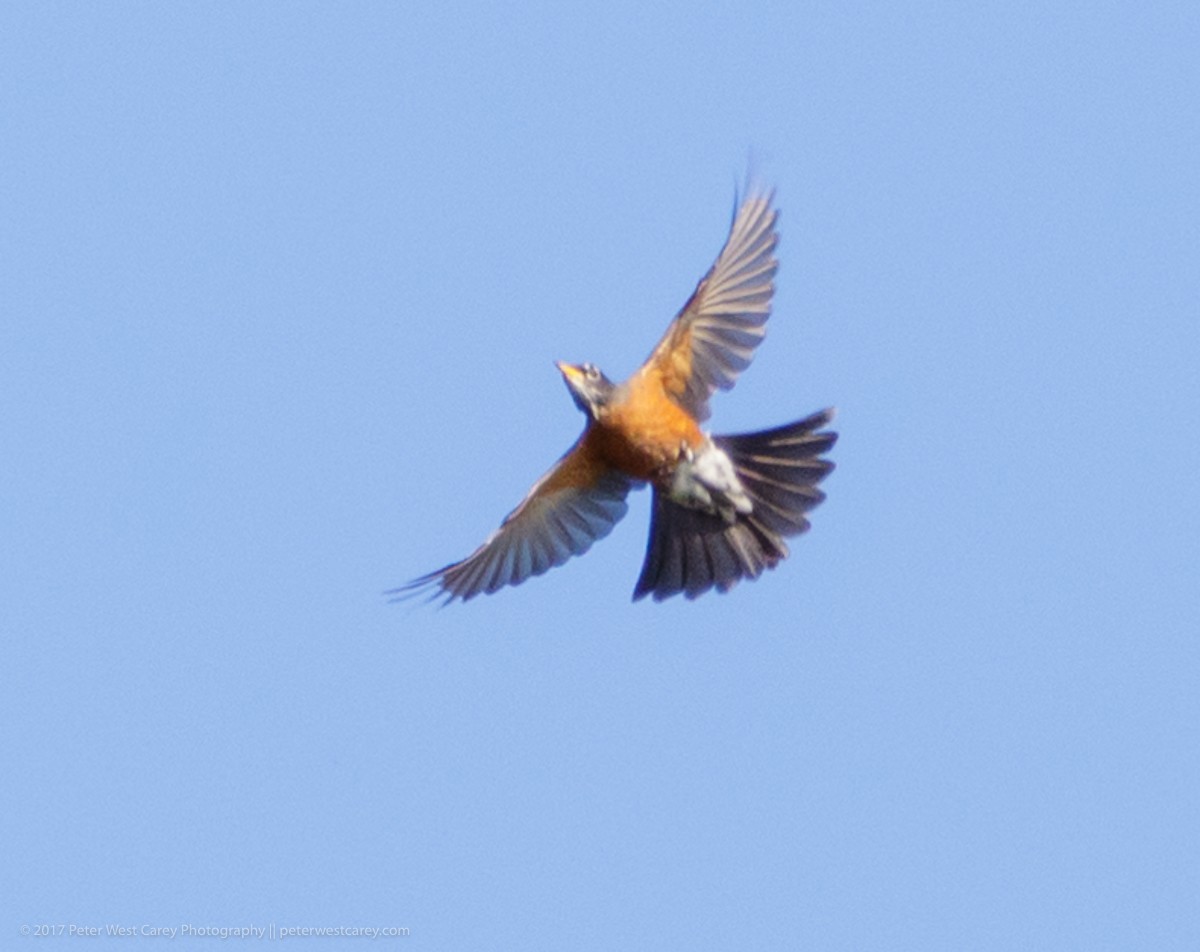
(593, 372)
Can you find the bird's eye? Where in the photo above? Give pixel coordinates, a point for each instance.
(592, 371)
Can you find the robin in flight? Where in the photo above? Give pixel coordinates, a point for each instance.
(722, 504)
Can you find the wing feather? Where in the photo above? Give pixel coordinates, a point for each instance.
(712, 339)
(577, 502)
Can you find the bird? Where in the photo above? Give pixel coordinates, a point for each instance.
(722, 506)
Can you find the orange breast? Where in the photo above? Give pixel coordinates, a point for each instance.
(641, 435)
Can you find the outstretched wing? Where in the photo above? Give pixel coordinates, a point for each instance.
(712, 339)
(573, 505)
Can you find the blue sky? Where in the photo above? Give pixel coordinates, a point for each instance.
(281, 286)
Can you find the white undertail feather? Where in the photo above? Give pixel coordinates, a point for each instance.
(695, 547)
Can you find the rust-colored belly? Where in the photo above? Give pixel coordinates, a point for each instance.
(643, 434)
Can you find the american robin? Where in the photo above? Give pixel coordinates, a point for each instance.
(722, 504)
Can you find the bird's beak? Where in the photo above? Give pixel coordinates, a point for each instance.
(576, 381)
(570, 372)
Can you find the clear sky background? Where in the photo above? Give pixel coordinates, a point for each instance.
(280, 290)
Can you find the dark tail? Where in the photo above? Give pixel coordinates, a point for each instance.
(692, 551)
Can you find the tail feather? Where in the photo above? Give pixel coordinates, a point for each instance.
(690, 551)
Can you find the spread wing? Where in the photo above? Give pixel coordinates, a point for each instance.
(573, 505)
(712, 339)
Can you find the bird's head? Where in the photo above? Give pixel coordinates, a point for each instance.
(590, 389)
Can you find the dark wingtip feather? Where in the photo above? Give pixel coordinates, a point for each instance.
(426, 589)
